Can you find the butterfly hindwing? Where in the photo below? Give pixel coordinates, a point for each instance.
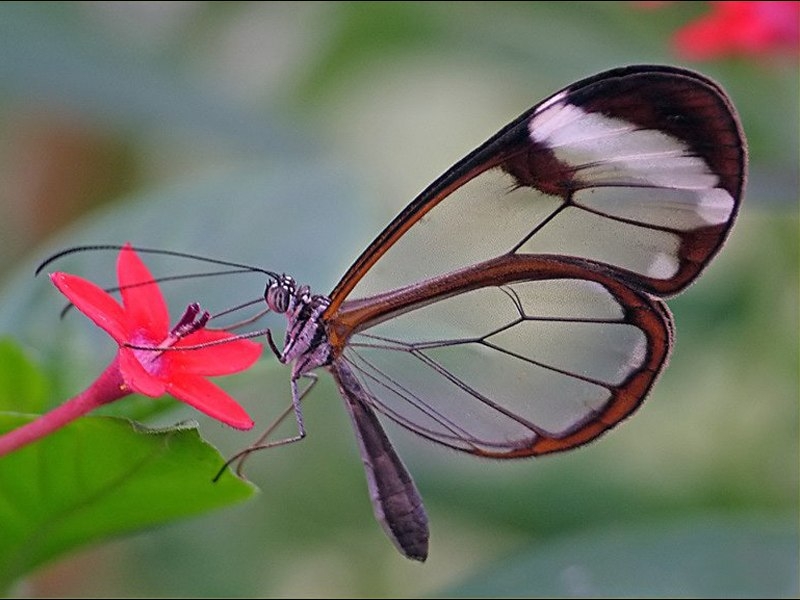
(540, 356)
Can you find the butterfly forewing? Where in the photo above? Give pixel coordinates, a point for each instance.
(511, 309)
(640, 168)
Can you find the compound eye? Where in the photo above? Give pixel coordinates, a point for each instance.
(278, 297)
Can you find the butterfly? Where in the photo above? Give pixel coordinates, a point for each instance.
(515, 307)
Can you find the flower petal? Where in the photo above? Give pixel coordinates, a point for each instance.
(144, 304)
(220, 359)
(745, 28)
(137, 378)
(209, 399)
(95, 303)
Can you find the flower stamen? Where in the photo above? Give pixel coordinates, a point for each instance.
(149, 355)
(188, 324)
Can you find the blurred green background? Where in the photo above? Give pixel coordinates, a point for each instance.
(286, 135)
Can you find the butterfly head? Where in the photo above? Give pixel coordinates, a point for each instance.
(282, 294)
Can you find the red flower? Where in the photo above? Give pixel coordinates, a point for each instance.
(741, 28)
(143, 321)
(150, 360)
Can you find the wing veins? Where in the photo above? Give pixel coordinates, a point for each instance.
(542, 365)
(477, 395)
(415, 401)
(540, 226)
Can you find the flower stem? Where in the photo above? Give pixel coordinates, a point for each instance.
(106, 388)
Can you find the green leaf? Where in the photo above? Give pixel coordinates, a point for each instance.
(101, 477)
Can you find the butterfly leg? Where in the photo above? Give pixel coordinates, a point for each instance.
(272, 345)
(261, 443)
(243, 322)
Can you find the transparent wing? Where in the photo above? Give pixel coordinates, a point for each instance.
(513, 308)
(639, 168)
(516, 369)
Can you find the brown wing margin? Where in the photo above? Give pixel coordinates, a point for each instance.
(682, 103)
(655, 319)
(646, 312)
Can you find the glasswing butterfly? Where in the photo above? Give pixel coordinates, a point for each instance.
(514, 308)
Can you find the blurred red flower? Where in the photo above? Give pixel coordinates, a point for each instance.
(739, 29)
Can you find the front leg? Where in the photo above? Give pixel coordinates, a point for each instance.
(272, 346)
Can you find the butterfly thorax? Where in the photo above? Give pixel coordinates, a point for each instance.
(306, 344)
